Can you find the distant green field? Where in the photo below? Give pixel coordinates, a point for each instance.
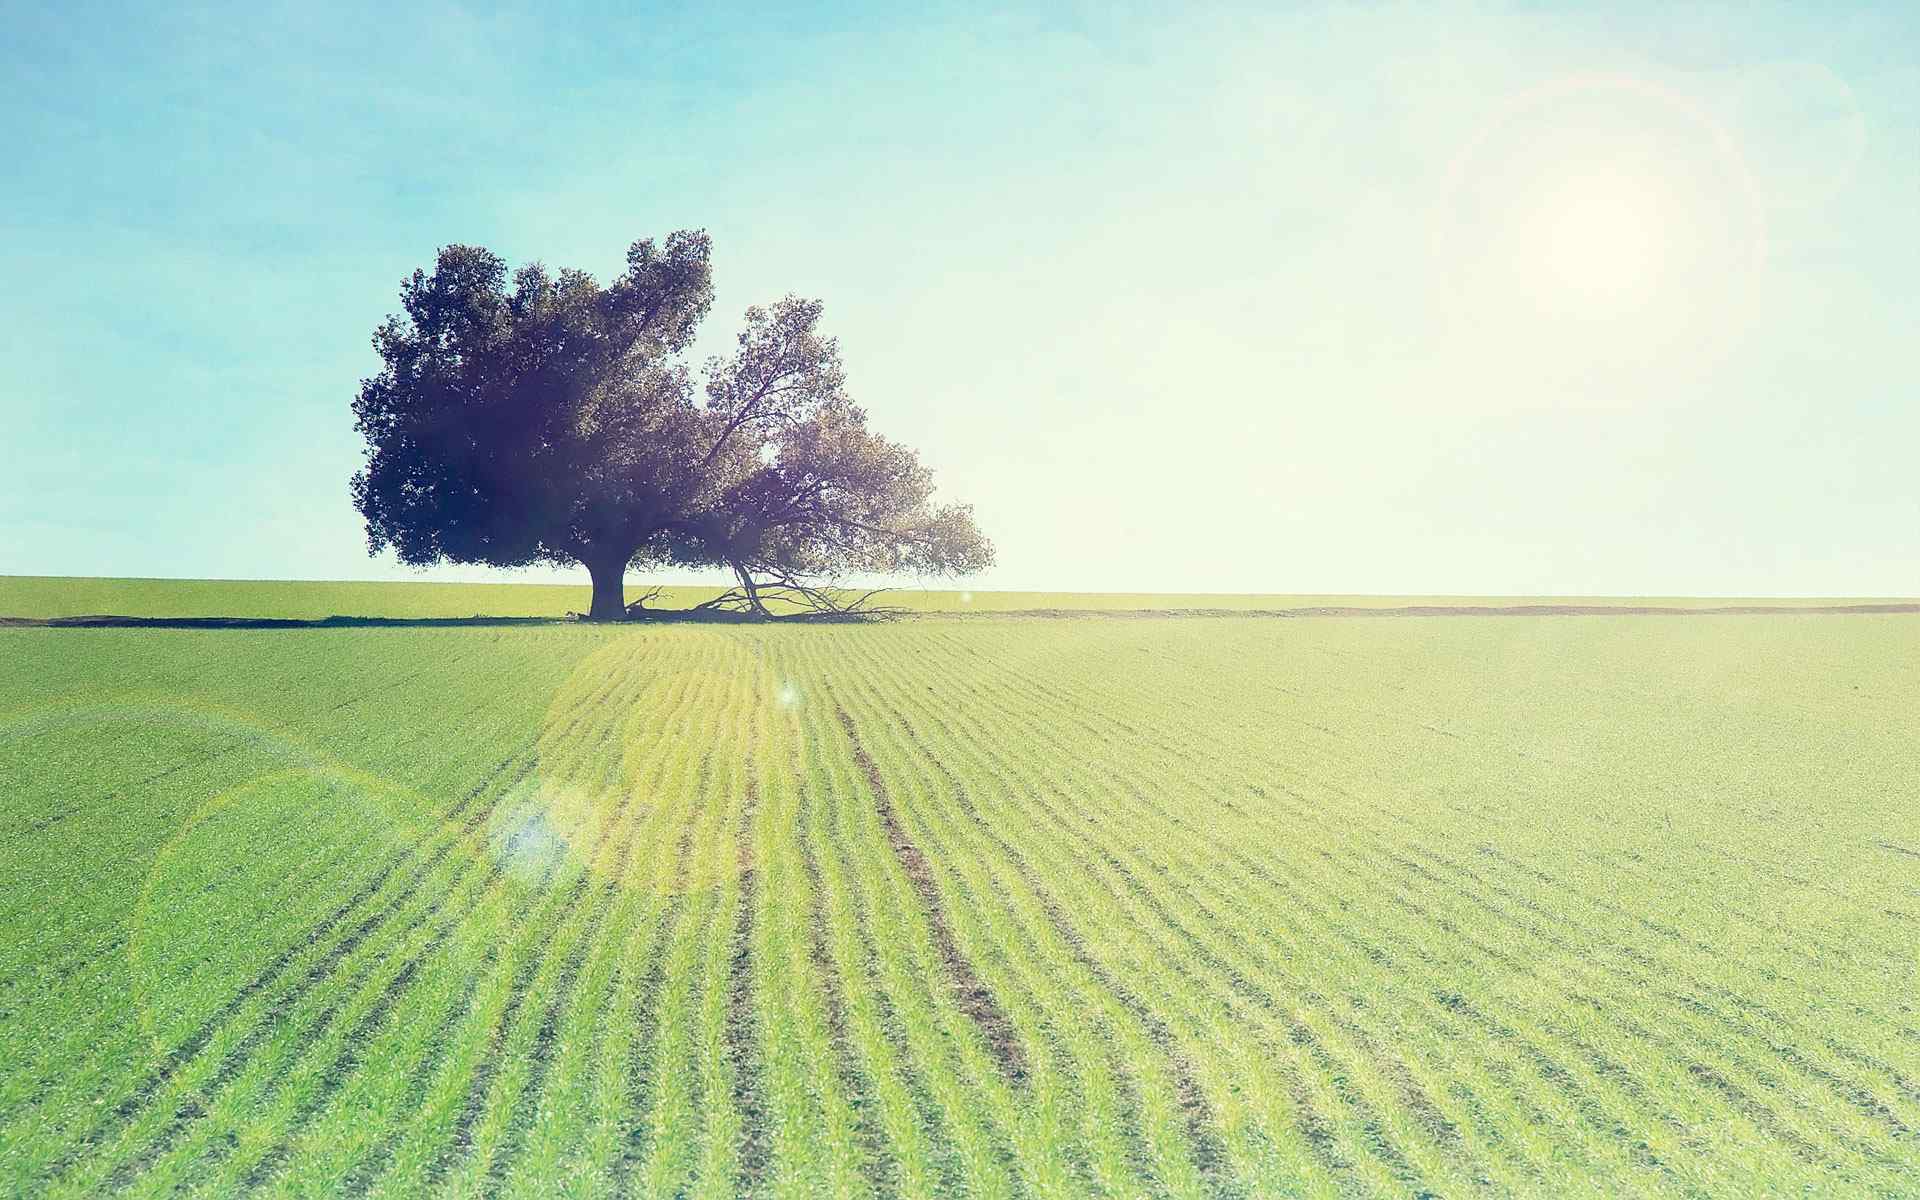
(49, 596)
(1228, 907)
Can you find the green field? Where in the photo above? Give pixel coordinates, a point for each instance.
(41, 597)
(1202, 907)
(52, 596)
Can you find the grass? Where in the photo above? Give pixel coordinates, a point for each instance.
(42, 597)
(1615, 905)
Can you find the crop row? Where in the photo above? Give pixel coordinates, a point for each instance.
(1068, 909)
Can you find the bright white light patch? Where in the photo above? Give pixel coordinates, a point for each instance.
(1598, 235)
(530, 848)
(788, 696)
(1601, 236)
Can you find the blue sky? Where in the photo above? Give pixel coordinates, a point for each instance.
(1428, 298)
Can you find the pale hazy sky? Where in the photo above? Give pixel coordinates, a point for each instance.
(1429, 298)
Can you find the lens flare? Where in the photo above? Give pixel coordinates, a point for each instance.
(645, 741)
(1593, 236)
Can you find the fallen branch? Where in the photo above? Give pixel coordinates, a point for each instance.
(639, 607)
(754, 600)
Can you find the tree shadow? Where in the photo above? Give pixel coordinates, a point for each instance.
(103, 621)
(649, 617)
(727, 616)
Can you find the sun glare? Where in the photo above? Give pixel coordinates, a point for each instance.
(1599, 237)
(1593, 227)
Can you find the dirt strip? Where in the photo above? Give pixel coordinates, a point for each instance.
(973, 996)
(743, 1031)
(1443, 610)
(111, 621)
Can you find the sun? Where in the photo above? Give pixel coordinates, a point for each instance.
(1598, 235)
(1590, 235)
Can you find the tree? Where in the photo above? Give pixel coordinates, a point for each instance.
(542, 424)
(553, 421)
(834, 498)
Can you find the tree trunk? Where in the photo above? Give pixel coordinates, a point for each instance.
(752, 592)
(609, 589)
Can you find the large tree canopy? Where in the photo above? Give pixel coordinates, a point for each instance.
(552, 420)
